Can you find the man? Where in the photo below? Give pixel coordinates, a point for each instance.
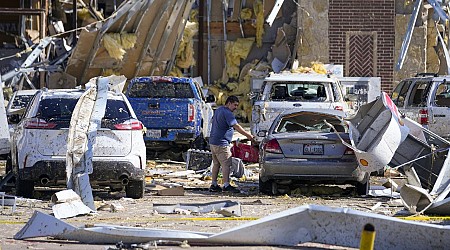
(223, 125)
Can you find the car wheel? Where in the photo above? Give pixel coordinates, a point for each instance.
(24, 188)
(274, 188)
(362, 188)
(265, 187)
(135, 189)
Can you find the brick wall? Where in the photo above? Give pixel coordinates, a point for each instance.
(374, 18)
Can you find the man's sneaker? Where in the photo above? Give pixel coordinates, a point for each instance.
(231, 189)
(215, 188)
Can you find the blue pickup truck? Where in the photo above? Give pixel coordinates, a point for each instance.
(173, 110)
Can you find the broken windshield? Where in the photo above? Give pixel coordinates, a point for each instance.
(61, 109)
(299, 91)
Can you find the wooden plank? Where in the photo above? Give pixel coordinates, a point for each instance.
(232, 28)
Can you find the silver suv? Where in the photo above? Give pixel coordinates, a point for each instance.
(39, 144)
(425, 98)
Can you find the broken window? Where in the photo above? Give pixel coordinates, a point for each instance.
(309, 122)
(399, 93)
(21, 101)
(299, 91)
(59, 111)
(419, 93)
(442, 97)
(161, 90)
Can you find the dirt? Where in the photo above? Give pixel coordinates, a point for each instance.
(139, 212)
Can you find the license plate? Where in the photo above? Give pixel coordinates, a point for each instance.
(313, 149)
(153, 133)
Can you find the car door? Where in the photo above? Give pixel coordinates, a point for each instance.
(439, 113)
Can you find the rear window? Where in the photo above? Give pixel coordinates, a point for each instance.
(299, 91)
(161, 90)
(309, 122)
(442, 98)
(60, 110)
(21, 101)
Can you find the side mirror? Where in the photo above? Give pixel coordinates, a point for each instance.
(262, 133)
(210, 98)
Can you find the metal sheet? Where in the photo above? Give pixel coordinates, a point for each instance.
(440, 208)
(308, 223)
(407, 38)
(201, 208)
(444, 48)
(442, 16)
(376, 132)
(84, 123)
(4, 129)
(274, 12)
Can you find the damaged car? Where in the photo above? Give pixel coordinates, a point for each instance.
(302, 148)
(39, 145)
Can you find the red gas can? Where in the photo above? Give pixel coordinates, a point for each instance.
(245, 152)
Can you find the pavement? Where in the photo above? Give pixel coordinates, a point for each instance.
(116, 209)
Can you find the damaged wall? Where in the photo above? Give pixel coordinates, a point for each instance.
(314, 44)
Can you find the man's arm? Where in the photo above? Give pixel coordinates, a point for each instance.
(241, 130)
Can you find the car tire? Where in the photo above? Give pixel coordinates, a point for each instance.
(135, 189)
(24, 188)
(362, 188)
(265, 187)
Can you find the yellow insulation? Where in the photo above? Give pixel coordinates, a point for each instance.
(316, 67)
(110, 72)
(117, 43)
(246, 14)
(240, 88)
(259, 12)
(128, 40)
(235, 51)
(185, 52)
(176, 72)
(113, 48)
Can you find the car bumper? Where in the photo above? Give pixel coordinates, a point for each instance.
(175, 135)
(105, 172)
(307, 170)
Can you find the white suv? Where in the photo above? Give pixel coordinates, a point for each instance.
(39, 144)
(425, 98)
(286, 91)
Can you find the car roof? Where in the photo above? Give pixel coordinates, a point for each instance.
(26, 91)
(300, 77)
(315, 110)
(74, 93)
(433, 77)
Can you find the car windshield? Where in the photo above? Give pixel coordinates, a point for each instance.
(309, 122)
(161, 90)
(62, 109)
(21, 101)
(299, 91)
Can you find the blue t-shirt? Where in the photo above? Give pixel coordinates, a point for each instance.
(222, 130)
